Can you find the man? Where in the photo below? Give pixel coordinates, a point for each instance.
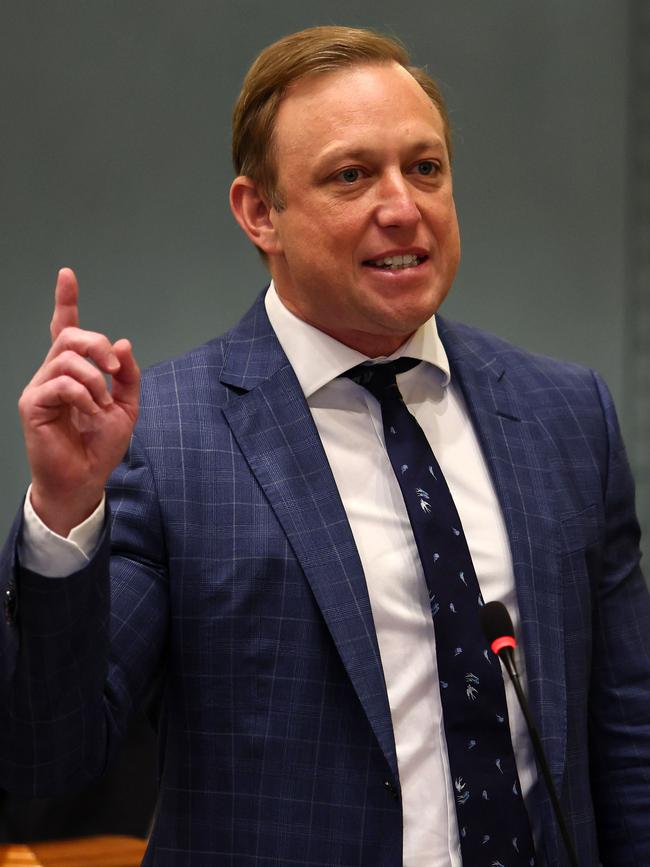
(257, 553)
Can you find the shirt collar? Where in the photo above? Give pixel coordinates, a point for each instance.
(317, 358)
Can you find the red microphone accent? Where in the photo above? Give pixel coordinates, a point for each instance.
(504, 641)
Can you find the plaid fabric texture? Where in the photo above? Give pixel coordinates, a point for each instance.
(236, 588)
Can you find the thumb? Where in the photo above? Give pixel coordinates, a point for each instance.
(126, 380)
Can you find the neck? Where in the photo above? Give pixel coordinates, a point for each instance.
(371, 345)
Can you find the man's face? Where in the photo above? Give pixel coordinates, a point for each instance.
(367, 244)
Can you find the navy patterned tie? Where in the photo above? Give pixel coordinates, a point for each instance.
(492, 820)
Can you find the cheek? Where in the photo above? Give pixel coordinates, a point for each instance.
(450, 220)
(297, 237)
(320, 230)
(347, 234)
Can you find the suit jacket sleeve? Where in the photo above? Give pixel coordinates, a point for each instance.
(619, 719)
(78, 654)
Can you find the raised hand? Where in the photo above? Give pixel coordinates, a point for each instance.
(77, 429)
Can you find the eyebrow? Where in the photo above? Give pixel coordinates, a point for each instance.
(362, 152)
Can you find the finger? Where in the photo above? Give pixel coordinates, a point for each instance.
(66, 296)
(88, 344)
(126, 381)
(56, 394)
(72, 364)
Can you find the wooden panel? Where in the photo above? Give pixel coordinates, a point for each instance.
(15, 855)
(84, 852)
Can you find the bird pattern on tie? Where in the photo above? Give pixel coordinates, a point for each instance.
(494, 829)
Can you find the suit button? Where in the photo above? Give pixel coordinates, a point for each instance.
(10, 604)
(390, 788)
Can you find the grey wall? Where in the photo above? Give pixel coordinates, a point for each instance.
(114, 160)
(637, 331)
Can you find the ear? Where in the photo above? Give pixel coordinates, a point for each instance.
(253, 214)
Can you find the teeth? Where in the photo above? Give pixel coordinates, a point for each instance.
(395, 263)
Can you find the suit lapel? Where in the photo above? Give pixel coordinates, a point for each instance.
(276, 433)
(514, 448)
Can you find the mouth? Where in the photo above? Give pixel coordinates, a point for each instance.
(396, 263)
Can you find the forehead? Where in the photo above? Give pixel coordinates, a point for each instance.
(351, 105)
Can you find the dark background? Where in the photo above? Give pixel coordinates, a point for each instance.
(114, 159)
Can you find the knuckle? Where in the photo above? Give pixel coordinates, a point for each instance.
(24, 401)
(95, 343)
(70, 383)
(67, 357)
(63, 337)
(70, 391)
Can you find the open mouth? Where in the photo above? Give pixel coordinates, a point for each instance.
(396, 263)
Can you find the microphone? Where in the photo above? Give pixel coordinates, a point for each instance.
(498, 629)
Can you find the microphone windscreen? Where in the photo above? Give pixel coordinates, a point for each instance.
(496, 621)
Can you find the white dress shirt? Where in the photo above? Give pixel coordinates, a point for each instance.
(348, 420)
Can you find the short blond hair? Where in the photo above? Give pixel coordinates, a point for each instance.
(308, 52)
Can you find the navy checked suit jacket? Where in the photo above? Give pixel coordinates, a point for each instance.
(228, 576)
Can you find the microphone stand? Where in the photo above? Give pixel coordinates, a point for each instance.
(507, 658)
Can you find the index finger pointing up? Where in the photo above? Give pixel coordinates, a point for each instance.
(66, 294)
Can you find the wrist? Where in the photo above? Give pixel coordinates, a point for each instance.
(61, 513)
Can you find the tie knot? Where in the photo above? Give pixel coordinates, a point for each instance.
(379, 379)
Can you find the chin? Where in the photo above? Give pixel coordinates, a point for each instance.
(408, 320)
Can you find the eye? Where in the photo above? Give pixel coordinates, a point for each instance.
(427, 168)
(349, 176)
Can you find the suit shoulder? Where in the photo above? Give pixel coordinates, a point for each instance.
(467, 343)
(187, 372)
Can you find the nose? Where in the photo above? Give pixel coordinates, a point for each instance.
(396, 205)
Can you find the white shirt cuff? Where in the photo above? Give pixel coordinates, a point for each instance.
(44, 551)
